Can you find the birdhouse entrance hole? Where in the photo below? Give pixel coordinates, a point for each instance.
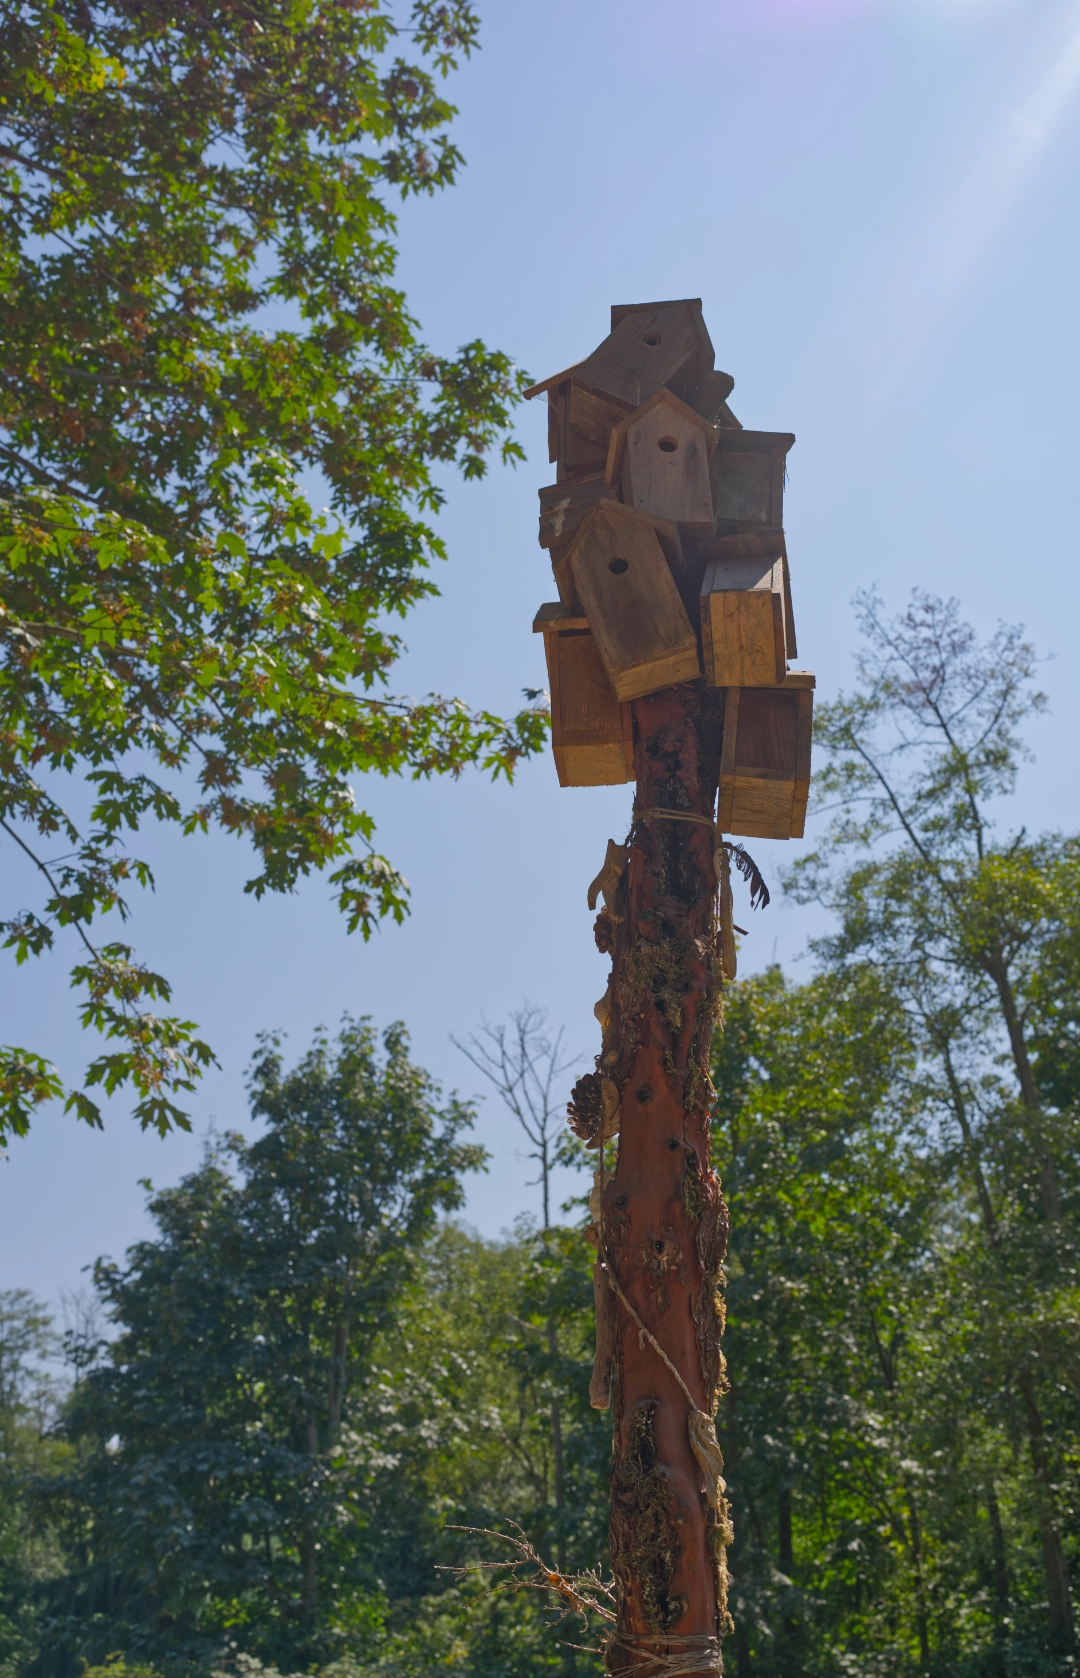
(668, 444)
(652, 339)
(618, 566)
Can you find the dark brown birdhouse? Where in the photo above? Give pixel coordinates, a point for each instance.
(748, 478)
(591, 732)
(623, 580)
(650, 346)
(765, 759)
(659, 455)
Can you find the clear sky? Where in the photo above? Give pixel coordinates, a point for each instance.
(877, 201)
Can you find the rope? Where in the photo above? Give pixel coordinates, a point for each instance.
(674, 816)
(670, 1656)
(702, 1431)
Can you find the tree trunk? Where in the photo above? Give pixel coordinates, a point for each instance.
(1049, 1187)
(1001, 1574)
(1057, 1578)
(664, 1222)
(1055, 1569)
(921, 1621)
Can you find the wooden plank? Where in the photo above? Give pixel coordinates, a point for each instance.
(552, 380)
(761, 809)
(768, 731)
(553, 615)
(563, 506)
(623, 581)
(725, 802)
(593, 416)
(742, 623)
(587, 722)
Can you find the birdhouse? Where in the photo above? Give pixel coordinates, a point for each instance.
(748, 478)
(623, 580)
(562, 508)
(591, 732)
(765, 759)
(743, 629)
(650, 345)
(659, 455)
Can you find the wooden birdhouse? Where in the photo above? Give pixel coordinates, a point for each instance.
(562, 508)
(748, 478)
(651, 346)
(659, 455)
(744, 637)
(623, 580)
(591, 732)
(765, 759)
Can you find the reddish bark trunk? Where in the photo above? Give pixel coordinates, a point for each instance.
(664, 1224)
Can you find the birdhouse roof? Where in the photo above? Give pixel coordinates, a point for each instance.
(662, 398)
(648, 345)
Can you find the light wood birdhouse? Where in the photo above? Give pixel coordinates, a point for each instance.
(743, 632)
(765, 759)
(591, 732)
(659, 455)
(631, 602)
(748, 470)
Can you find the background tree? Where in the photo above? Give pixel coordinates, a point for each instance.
(978, 933)
(214, 1495)
(200, 324)
(29, 1395)
(524, 1065)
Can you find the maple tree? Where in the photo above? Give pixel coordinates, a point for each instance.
(200, 324)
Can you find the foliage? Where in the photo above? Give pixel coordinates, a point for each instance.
(28, 1399)
(201, 331)
(214, 1496)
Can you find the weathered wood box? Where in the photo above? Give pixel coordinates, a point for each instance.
(659, 455)
(765, 759)
(748, 478)
(591, 731)
(624, 582)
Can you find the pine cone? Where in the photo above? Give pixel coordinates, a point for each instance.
(585, 1109)
(604, 933)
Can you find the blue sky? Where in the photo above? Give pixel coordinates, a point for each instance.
(877, 202)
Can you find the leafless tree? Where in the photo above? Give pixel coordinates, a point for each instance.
(524, 1063)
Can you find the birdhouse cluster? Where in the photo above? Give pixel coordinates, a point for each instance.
(665, 528)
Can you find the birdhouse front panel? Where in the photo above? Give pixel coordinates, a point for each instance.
(624, 583)
(748, 477)
(661, 454)
(743, 637)
(765, 759)
(591, 732)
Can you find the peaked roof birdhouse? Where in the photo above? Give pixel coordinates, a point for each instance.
(659, 455)
(622, 578)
